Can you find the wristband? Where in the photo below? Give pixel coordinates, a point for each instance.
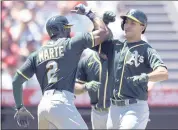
(19, 107)
(91, 15)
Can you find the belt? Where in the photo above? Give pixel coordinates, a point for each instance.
(100, 109)
(61, 92)
(51, 92)
(124, 102)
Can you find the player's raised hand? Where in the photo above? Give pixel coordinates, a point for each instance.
(23, 117)
(92, 86)
(81, 9)
(108, 17)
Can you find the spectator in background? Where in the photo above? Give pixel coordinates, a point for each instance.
(6, 42)
(6, 77)
(43, 12)
(27, 28)
(9, 59)
(8, 70)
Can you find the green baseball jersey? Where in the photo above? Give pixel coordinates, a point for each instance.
(94, 67)
(131, 59)
(55, 64)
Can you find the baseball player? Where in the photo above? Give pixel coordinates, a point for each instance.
(55, 66)
(135, 63)
(91, 68)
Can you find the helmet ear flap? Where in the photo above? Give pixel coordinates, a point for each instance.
(63, 29)
(53, 30)
(66, 31)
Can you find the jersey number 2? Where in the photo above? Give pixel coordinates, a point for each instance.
(51, 67)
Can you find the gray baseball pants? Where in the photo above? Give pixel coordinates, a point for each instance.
(98, 119)
(57, 110)
(132, 116)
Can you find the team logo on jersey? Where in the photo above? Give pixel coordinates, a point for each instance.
(135, 59)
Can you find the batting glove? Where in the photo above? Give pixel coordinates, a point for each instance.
(83, 10)
(23, 117)
(138, 80)
(108, 17)
(92, 86)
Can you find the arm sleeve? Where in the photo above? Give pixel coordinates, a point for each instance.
(18, 80)
(81, 76)
(154, 59)
(27, 70)
(22, 75)
(81, 41)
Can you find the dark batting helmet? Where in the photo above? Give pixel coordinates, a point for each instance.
(57, 25)
(135, 15)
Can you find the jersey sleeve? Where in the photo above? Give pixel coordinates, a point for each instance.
(81, 41)
(27, 70)
(154, 59)
(81, 76)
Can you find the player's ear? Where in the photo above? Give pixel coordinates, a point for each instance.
(143, 27)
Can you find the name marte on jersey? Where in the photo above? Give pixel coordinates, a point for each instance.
(50, 53)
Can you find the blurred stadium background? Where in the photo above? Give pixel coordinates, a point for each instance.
(23, 31)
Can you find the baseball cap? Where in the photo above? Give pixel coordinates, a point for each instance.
(136, 15)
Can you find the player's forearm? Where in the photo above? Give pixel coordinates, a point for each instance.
(79, 88)
(100, 27)
(17, 90)
(160, 74)
(99, 24)
(101, 31)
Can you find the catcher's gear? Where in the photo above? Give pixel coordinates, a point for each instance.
(92, 86)
(108, 17)
(138, 80)
(137, 16)
(23, 117)
(57, 25)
